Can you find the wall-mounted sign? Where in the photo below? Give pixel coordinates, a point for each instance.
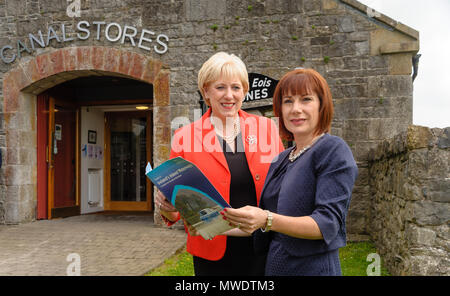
(58, 132)
(113, 32)
(92, 137)
(261, 87)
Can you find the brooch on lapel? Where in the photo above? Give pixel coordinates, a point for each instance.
(251, 139)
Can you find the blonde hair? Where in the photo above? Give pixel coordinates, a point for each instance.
(220, 65)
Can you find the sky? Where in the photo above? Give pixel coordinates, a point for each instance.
(431, 97)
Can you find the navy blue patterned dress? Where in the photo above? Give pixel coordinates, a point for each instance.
(317, 184)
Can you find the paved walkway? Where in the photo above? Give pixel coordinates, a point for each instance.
(91, 244)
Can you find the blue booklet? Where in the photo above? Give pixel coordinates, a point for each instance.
(192, 194)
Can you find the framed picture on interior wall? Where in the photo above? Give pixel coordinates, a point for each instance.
(92, 137)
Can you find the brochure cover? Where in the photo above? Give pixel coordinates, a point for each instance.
(191, 193)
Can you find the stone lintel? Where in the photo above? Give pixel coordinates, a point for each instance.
(399, 47)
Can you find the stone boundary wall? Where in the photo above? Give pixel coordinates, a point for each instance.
(409, 176)
(364, 55)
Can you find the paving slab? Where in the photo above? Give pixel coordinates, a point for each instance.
(97, 244)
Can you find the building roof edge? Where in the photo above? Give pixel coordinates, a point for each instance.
(372, 13)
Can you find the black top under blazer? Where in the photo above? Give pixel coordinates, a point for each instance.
(318, 184)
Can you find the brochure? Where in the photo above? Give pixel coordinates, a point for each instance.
(191, 193)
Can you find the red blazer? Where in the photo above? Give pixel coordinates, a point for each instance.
(198, 144)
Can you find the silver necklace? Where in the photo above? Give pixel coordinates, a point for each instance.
(293, 156)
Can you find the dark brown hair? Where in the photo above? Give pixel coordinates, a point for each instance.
(304, 82)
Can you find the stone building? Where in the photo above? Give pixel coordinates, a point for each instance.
(73, 73)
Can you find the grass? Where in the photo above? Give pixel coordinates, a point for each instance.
(179, 264)
(353, 262)
(354, 259)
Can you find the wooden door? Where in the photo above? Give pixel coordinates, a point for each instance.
(61, 159)
(128, 149)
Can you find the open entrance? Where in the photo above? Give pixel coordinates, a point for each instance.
(94, 141)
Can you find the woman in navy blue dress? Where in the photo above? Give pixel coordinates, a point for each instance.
(300, 222)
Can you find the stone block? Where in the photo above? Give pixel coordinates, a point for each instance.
(200, 10)
(356, 129)
(10, 97)
(357, 36)
(438, 163)
(361, 48)
(70, 58)
(420, 235)
(161, 115)
(56, 58)
(345, 108)
(84, 58)
(418, 137)
(162, 134)
(12, 156)
(380, 61)
(18, 77)
(161, 154)
(390, 86)
(444, 139)
(423, 265)
(161, 89)
(352, 63)
(329, 4)
(383, 128)
(322, 40)
(431, 213)
(340, 50)
(44, 66)
(400, 64)
(137, 66)
(112, 57)
(98, 57)
(380, 37)
(418, 167)
(151, 70)
(125, 61)
(11, 212)
(400, 47)
(31, 70)
(310, 6)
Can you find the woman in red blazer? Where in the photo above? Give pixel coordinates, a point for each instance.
(234, 149)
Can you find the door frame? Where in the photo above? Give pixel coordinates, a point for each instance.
(46, 171)
(127, 205)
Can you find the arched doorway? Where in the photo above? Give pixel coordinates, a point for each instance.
(21, 88)
(94, 141)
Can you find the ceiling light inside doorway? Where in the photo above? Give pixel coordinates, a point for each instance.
(142, 107)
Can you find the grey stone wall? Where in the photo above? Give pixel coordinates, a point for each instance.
(365, 57)
(410, 201)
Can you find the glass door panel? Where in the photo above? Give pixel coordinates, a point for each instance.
(128, 136)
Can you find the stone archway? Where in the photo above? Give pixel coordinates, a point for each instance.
(35, 75)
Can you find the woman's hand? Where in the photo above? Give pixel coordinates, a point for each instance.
(190, 229)
(163, 204)
(165, 207)
(247, 218)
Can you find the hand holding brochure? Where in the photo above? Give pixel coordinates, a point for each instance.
(191, 193)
